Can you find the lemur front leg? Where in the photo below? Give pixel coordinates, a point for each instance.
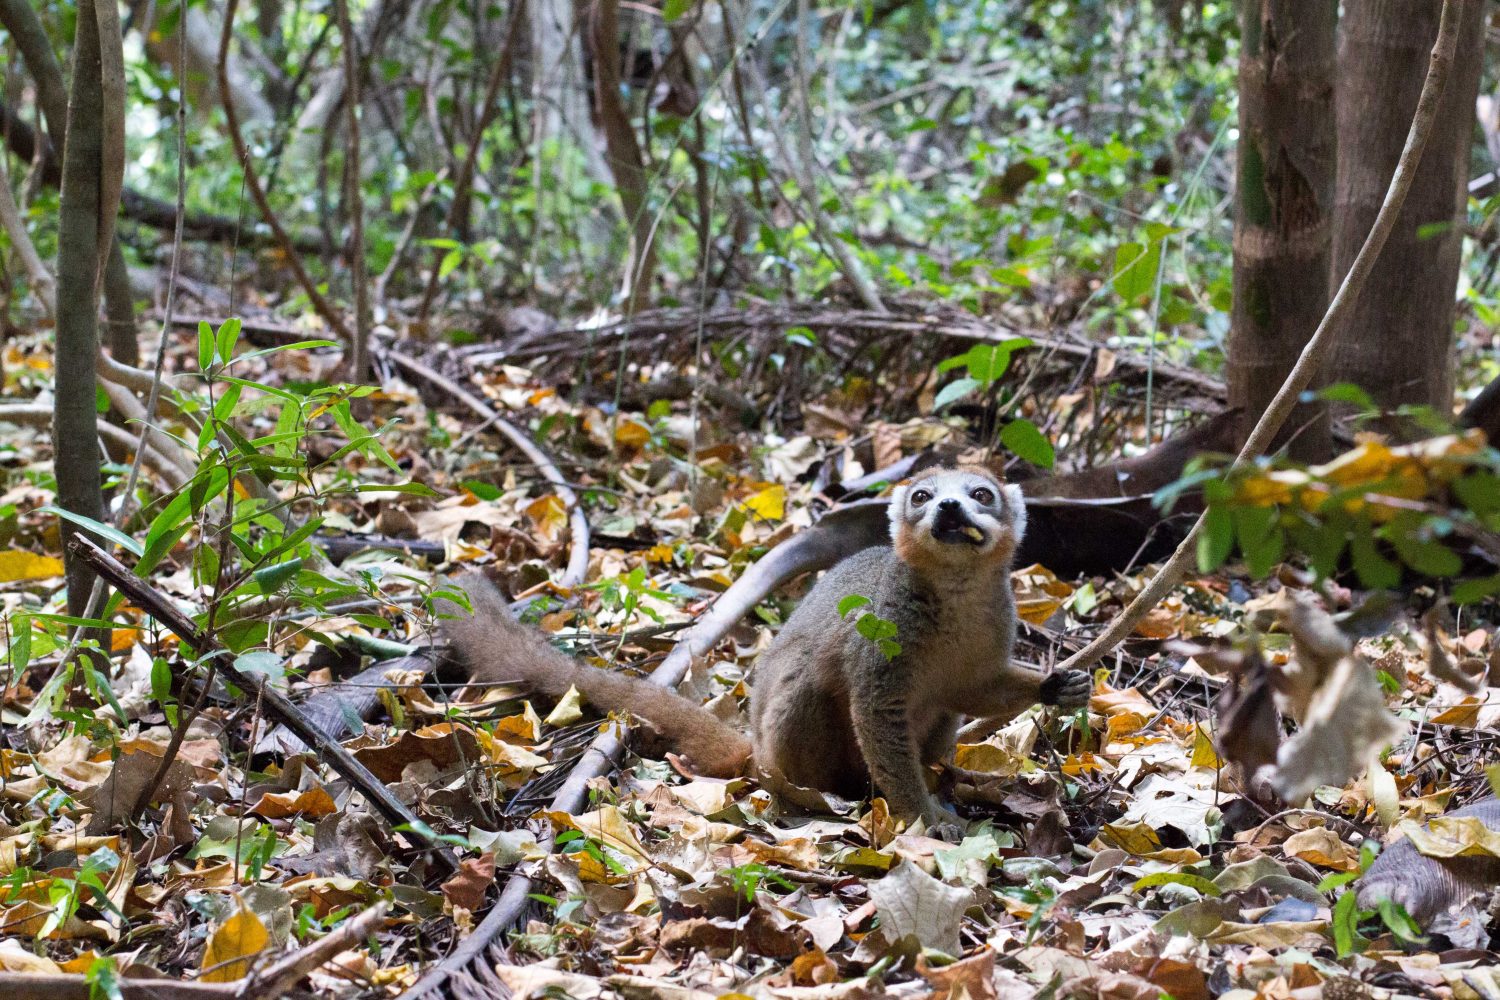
(878, 704)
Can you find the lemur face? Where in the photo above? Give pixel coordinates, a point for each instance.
(957, 514)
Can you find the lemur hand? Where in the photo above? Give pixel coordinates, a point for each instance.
(1067, 689)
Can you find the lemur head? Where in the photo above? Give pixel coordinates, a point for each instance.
(958, 516)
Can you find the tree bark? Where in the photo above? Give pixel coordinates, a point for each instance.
(625, 160)
(76, 460)
(1398, 342)
(1282, 229)
(18, 18)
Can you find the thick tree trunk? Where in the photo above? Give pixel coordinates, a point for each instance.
(1285, 206)
(1398, 341)
(75, 444)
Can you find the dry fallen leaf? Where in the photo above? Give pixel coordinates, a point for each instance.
(917, 911)
(231, 946)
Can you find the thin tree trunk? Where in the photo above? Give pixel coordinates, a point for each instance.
(1398, 342)
(1285, 206)
(359, 349)
(625, 160)
(75, 444)
(20, 19)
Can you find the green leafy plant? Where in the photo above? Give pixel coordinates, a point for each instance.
(1419, 506)
(870, 625)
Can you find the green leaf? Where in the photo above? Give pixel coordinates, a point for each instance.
(954, 391)
(1470, 591)
(673, 9)
(1337, 879)
(414, 489)
(986, 363)
(1323, 542)
(875, 628)
(103, 976)
(450, 263)
(1480, 492)
(94, 527)
(271, 578)
(1426, 557)
(1024, 439)
(161, 681)
(1135, 271)
(1375, 571)
(1348, 392)
(851, 602)
(483, 490)
(228, 337)
(1261, 539)
(1197, 882)
(1346, 915)
(205, 346)
(1217, 538)
(1399, 922)
(261, 662)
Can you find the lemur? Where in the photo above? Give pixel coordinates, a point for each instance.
(829, 709)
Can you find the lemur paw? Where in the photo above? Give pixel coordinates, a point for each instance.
(1067, 689)
(944, 824)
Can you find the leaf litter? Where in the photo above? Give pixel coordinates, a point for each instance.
(1125, 852)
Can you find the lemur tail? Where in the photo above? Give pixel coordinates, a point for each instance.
(499, 649)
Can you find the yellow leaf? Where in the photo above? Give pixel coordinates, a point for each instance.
(232, 945)
(1135, 838)
(550, 514)
(866, 857)
(1076, 764)
(524, 726)
(631, 434)
(990, 758)
(18, 564)
(1453, 837)
(1204, 754)
(769, 504)
(568, 711)
(278, 805)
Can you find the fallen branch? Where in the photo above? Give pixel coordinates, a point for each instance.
(40, 415)
(820, 318)
(841, 532)
(276, 704)
(1310, 362)
(278, 978)
(76, 986)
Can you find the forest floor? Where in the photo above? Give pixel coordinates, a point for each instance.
(1108, 854)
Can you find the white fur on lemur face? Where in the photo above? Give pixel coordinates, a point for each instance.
(959, 513)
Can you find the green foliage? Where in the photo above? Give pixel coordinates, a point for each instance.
(1416, 508)
(871, 626)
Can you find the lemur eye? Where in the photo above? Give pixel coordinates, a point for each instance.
(919, 497)
(983, 495)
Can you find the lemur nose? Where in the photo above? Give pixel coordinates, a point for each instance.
(948, 504)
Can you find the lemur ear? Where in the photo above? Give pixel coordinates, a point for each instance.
(898, 504)
(1015, 507)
